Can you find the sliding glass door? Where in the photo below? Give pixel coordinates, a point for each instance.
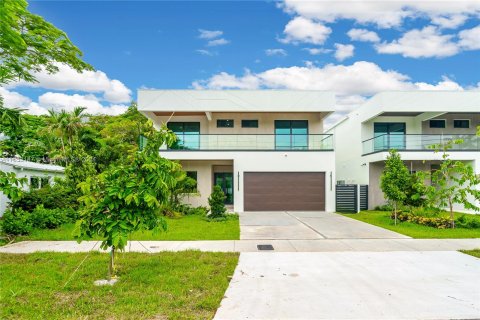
(188, 134)
(389, 135)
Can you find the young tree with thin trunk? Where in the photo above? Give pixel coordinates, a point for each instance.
(128, 197)
(394, 181)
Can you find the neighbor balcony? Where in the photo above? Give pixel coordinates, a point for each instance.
(253, 142)
(420, 142)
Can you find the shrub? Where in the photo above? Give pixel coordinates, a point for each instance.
(385, 207)
(54, 197)
(48, 218)
(467, 222)
(217, 203)
(17, 222)
(435, 222)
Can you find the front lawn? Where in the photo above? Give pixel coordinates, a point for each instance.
(167, 285)
(382, 219)
(475, 252)
(192, 227)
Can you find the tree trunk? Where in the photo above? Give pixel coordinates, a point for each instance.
(452, 217)
(111, 267)
(395, 212)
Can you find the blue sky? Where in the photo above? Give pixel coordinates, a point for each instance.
(357, 50)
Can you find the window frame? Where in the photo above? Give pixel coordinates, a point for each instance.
(468, 121)
(444, 123)
(226, 121)
(181, 135)
(245, 121)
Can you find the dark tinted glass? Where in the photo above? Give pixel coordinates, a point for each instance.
(249, 123)
(461, 124)
(225, 123)
(437, 123)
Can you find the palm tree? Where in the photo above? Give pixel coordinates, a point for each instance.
(11, 117)
(74, 121)
(56, 123)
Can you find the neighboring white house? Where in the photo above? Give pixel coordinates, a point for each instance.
(267, 148)
(409, 122)
(37, 175)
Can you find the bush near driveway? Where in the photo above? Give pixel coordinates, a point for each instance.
(382, 219)
(167, 285)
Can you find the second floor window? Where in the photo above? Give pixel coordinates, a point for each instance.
(437, 123)
(249, 123)
(291, 134)
(225, 123)
(464, 124)
(188, 134)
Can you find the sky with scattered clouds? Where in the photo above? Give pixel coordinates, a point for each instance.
(354, 48)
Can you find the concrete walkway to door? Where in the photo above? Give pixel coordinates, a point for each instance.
(312, 225)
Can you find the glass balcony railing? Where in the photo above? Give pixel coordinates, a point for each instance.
(420, 142)
(265, 142)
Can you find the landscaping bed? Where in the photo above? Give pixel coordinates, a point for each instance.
(167, 285)
(414, 230)
(475, 252)
(192, 227)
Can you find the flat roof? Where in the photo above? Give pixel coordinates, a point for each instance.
(236, 100)
(417, 102)
(20, 163)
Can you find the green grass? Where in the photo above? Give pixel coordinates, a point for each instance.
(168, 285)
(475, 252)
(382, 219)
(193, 227)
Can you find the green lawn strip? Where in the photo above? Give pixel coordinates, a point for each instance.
(382, 219)
(167, 285)
(475, 252)
(193, 227)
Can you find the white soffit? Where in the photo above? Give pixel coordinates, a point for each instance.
(236, 101)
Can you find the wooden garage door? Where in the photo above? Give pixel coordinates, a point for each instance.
(279, 191)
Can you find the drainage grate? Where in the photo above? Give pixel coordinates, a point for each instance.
(264, 247)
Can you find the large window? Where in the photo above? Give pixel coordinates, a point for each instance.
(188, 134)
(437, 124)
(463, 124)
(389, 135)
(291, 134)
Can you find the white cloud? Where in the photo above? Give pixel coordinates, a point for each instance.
(353, 84)
(363, 35)
(470, 38)
(209, 34)
(88, 81)
(217, 42)
(343, 51)
(304, 30)
(317, 51)
(275, 52)
(204, 52)
(385, 14)
(425, 43)
(58, 101)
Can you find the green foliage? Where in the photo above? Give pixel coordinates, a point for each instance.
(394, 180)
(10, 185)
(415, 191)
(454, 182)
(80, 165)
(48, 218)
(50, 197)
(217, 203)
(435, 222)
(467, 222)
(129, 197)
(17, 222)
(385, 207)
(11, 119)
(29, 44)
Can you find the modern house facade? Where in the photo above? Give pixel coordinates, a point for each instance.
(37, 174)
(266, 148)
(410, 122)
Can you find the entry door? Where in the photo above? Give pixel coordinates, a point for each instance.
(389, 135)
(225, 181)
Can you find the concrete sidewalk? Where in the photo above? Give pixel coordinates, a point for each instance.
(322, 245)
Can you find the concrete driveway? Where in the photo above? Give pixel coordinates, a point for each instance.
(354, 285)
(313, 225)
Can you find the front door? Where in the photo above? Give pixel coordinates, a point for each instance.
(225, 181)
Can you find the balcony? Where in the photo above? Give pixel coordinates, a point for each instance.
(253, 142)
(419, 142)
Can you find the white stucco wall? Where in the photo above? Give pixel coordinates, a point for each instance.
(23, 173)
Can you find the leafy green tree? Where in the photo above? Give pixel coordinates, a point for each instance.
(127, 198)
(394, 181)
(11, 186)
(29, 44)
(80, 165)
(10, 118)
(217, 203)
(453, 183)
(415, 191)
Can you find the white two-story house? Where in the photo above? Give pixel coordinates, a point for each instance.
(410, 122)
(266, 149)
